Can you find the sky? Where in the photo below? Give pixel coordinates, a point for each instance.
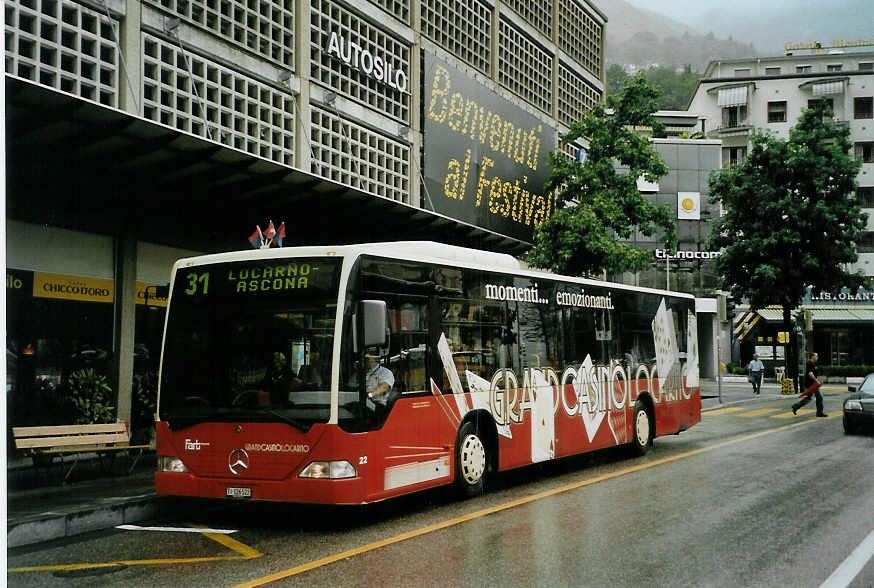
(769, 25)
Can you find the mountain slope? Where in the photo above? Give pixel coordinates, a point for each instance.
(769, 25)
(639, 38)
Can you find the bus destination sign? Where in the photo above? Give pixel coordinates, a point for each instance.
(256, 278)
(288, 276)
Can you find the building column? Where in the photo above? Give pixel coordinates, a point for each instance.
(302, 147)
(124, 323)
(130, 78)
(416, 124)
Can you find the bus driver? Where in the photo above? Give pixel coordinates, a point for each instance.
(379, 379)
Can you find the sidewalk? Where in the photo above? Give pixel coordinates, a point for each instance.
(734, 390)
(38, 509)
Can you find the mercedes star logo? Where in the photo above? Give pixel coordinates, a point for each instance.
(238, 461)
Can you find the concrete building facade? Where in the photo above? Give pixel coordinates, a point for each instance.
(140, 131)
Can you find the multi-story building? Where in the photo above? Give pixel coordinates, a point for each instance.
(737, 97)
(140, 131)
(740, 96)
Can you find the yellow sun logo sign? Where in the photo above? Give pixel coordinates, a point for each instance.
(689, 205)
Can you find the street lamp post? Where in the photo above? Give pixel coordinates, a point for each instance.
(667, 271)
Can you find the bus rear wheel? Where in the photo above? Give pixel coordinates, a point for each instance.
(642, 430)
(471, 460)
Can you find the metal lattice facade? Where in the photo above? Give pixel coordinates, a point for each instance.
(221, 104)
(463, 28)
(537, 13)
(576, 96)
(63, 45)
(525, 68)
(581, 37)
(265, 27)
(349, 81)
(231, 71)
(359, 157)
(400, 9)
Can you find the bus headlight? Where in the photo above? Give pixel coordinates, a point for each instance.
(171, 464)
(333, 470)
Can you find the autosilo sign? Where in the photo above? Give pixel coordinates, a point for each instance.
(486, 159)
(366, 60)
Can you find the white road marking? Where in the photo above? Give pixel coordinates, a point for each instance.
(175, 529)
(851, 566)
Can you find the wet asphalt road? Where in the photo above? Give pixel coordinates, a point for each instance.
(751, 496)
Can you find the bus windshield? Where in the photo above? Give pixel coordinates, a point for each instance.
(250, 341)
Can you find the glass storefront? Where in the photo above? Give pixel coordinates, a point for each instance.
(58, 325)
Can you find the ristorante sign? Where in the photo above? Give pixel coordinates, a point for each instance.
(486, 159)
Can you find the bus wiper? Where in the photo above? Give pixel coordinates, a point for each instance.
(285, 419)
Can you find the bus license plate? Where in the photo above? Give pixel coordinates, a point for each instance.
(239, 492)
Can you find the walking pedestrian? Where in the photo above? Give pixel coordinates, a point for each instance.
(811, 387)
(756, 369)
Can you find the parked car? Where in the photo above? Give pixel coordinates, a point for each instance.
(859, 406)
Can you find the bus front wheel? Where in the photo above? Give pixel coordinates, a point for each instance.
(471, 460)
(642, 432)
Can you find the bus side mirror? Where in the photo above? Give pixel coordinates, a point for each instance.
(373, 323)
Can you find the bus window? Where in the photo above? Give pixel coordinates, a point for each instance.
(476, 332)
(408, 318)
(400, 366)
(238, 334)
(540, 328)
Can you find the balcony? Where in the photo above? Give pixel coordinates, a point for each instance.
(731, 129)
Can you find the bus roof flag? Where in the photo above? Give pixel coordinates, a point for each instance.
(256, 238)
(270, 231)
(280, 234)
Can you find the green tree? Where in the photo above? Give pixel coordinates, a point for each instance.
(790, 219)
(616, 76)
(597, 203)
(675, 89)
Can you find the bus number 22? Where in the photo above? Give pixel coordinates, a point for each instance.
(362, 460)
(194, 280)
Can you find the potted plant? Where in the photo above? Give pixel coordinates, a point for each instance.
(91, 395)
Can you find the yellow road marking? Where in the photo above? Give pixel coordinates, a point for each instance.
(243, 552)
(802, 412)
(758, 412)
(501, 507)
(721, 411)
(124, 562)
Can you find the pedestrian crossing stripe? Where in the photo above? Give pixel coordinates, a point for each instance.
(758, 412)
(736, 411)
(722, 411)
(788, 415)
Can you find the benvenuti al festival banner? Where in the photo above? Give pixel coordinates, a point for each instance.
(486, 159)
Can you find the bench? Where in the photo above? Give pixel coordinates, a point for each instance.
(43, 443)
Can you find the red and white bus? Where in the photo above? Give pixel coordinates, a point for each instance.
(352, 374)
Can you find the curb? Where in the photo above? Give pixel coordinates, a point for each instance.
(56, 525)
